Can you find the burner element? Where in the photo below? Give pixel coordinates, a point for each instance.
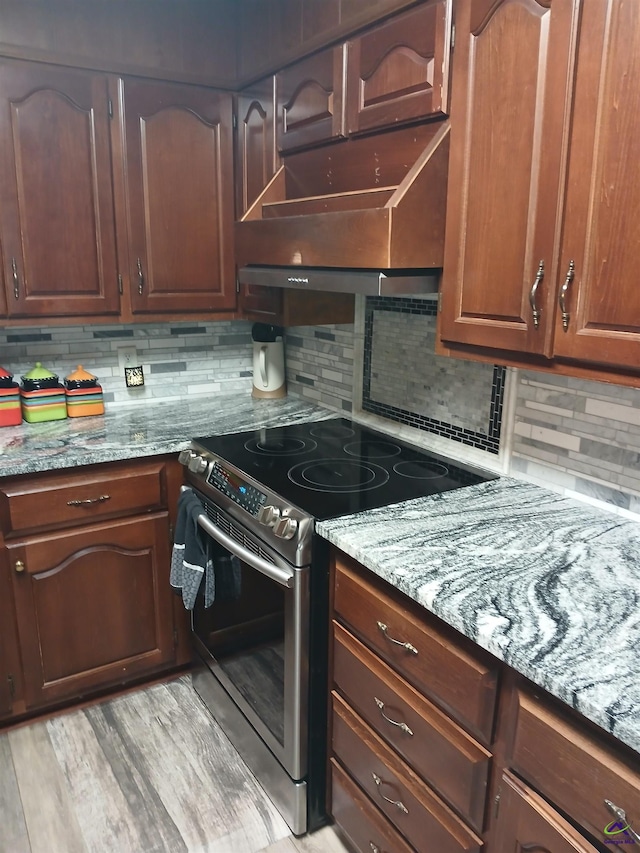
(279, 446)
(329, 429)
(420, 469)
(367, 448)
(338, 475)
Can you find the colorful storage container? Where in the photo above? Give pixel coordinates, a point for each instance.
(42, 397)
(83, 394)
(10, 408)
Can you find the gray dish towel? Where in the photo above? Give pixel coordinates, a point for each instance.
(190, 558)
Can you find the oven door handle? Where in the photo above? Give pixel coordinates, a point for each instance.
(284, 577)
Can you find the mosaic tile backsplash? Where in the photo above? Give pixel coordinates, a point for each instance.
(178, 359)
(405, 381)
(572, 435)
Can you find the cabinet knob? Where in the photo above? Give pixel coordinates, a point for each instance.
(19, 566)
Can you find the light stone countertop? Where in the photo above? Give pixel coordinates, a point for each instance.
(545, 583)
(137, 431)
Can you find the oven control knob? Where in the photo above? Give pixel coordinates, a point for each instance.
(185, 456)
(197, 464)
(268, 515)
(286, 528)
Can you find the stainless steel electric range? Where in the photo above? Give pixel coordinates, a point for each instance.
(261, 651)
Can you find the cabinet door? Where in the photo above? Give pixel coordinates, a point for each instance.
(311, 100)
(179, 197)
(94, 606)
(526, 822)
(56, 210)
(601, 228)
(10, 669)
(512, 68)
(399, 72)
(256, 142)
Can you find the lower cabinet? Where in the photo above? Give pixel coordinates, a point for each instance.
(436, 746)
(528, 822)
(86, 573)
(411, 723)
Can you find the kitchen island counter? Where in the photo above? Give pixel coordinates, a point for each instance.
(547, 584)
(139, 431)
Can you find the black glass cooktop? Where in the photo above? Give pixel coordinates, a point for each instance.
(338, 467)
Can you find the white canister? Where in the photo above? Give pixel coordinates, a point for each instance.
(268, 369)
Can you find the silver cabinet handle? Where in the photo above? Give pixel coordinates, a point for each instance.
(402, 726)
(16, 280)
(88, 501)
(407, 646)
(140, 277)
(532, 294)
(616, 811)
(563, 295)
(374, 848)
(397, 803)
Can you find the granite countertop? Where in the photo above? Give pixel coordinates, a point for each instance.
(136, 431)
(547, 584)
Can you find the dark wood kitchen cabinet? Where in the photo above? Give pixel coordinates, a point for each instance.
(179, 197)
(398, 72)
(56, 199)
(542, 250)
(116, 196)
(311, 100)
(86, 556)
(256, 153)
(413, 711)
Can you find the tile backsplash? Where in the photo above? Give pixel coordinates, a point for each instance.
(571, 435)
(178, 358)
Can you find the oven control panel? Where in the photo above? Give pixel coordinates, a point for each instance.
(243, 493)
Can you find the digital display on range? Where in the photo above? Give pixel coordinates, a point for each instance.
(230, 484)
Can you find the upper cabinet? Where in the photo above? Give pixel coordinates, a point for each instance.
(116, 196)
(311, 100)
(178, 192)
(598, 315)
(542, 246)
(56, 211)
(256, 158)
(399, 72)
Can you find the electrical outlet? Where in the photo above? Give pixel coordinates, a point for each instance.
(127, 357)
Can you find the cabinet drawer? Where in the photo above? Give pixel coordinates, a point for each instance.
(411, 806)
(61, 499)
(575, 770)
(437, 749)
(434, 659)
(359, 819)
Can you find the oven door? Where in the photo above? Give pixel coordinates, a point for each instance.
(256, 644)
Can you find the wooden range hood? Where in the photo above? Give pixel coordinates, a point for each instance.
(376, 202)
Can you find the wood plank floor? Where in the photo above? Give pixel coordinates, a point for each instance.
(147, 772)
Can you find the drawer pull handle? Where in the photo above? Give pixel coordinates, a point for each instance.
(403, 726)
(616, 811)
(563, 295)
(88, 501)
(535, 311)
(19, 566)
(406, 646)
(374, 848)
(397, 803)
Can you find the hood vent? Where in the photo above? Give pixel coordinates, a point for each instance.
(368, 282)
(367, 203)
